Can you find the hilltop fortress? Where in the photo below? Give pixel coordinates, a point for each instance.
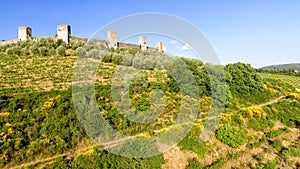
(64, 33)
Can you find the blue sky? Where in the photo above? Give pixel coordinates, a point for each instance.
(260, 32)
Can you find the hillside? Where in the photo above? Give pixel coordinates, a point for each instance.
(292, 80)
(40, 128)
(291, 66)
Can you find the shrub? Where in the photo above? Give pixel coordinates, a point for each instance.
(276, 144)
(25, 52)
(275, 133)
(51, 52)
(252, 112)
(34, 49)
(61, 51)
(258, 157)
(17, 50)
(43, 51)
(117, 58)
(294, 96)
(294, 151)
(261, 124)
(237, 119)
(9, 51)
(232, 136)
(269, 165)
(194, 164)
(190, 142)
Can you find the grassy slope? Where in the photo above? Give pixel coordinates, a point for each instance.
(44, 74)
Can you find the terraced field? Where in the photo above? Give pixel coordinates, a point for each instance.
(26, 73)
(293, 80)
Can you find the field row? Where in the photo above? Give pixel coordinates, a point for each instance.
(293, 80)
(24, 73)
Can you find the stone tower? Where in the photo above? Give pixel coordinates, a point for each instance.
(24, 33)
(143, 43)
(161, 47)
(112, 39)
(64, 32)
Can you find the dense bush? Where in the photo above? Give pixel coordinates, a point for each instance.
(245, 84)
(232, 136)
(61, 51)
(37, 124)
(192, 143)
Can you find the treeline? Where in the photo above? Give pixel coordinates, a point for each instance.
(242, 80)
(290, 72)
(41, 47)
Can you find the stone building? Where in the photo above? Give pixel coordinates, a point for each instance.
(24, 33)
(161, 47)
(112, 39)
(143, 43)
(64, 32)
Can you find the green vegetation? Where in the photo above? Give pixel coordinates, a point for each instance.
(191, 142)
(285, 69)
(232, 136)
(287, 111)
(98, 158)
(261, 124)
(38, 120)
(194, 164)
(40, 47)
(293, 80)
(37, 124)
(269, 165)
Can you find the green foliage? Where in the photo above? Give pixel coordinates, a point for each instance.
(217, 164)
(288, 112)
(192, 143)
(258, 157)
(250, 112)
(138, 85)
(276, 144)
(98, 158)
(39, 47)
(260, 124)
(232, 136)
(269, 165)
(275, 133)
(40, 124)
(292, 80)
(293, 95)
(194, 164)
(245, 84)
(43, 51)
(61, 51)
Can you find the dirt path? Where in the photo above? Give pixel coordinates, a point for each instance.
(44, 160)
(270, 102)
(72, 153)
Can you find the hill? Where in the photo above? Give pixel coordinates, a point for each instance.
(259, 127)
(291, 66)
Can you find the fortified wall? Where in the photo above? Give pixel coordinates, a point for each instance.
(64, 33)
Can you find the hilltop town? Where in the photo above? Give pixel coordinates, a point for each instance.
(64, 33)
